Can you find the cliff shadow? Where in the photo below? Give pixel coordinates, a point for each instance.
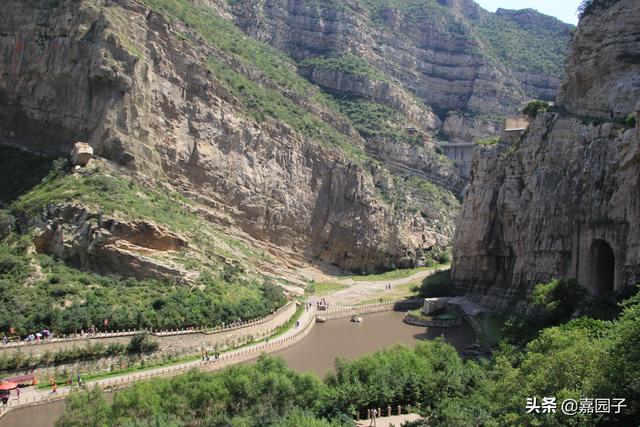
(20, 171)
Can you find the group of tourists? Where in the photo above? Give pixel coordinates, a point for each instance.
(54, 383)
(207, 358)
(37, 337)
(33, 337)
(322, 304)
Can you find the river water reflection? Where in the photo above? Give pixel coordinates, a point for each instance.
(315, 353)
(343, 338)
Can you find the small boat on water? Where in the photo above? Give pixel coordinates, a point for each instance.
(321, 319)
(356, 319)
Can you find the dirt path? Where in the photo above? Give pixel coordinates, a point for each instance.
(359, 291)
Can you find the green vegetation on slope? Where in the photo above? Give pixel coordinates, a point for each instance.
(39, 292)
(348, 64)
(99, 188)
(400, 273)
(373, 120)
(532, 109)
(489, 140)
(526, 48)
(578, 359)
(437, 285)
(438, 197)
(66, 300)
(262, 102)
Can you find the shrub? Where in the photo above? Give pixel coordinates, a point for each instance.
(7, 222)
(142, 344)
(347, 64)
(550, 304)
(630, 121)
(534, 107)
(437, 285)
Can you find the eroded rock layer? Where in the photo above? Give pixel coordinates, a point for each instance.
(441, 57)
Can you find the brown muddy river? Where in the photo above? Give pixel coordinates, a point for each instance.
(349, 340)
(316, 353)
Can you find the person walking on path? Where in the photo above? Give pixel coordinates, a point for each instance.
(79, 380)
(374, 415)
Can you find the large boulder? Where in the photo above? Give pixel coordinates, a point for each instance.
(81, 154)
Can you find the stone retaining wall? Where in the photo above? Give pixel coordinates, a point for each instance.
(342, 312)
(433, 323)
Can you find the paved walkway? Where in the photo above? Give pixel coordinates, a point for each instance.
(392, 421)
(229, 358)
(362, 290)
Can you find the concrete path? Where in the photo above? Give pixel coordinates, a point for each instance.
(229, 358)
(392, 421)
(358, 291)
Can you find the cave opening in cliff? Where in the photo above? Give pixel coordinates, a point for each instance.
(603, 264)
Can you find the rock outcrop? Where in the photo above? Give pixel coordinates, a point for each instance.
(108, 246)
(140, 90)
(81, 154)
(466, 128)
(563, 201)
(382, 92)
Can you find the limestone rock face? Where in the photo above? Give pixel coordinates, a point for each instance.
(137, 88)
(109, 246)
(409, 159)
(563, 201)
(461, 128)
(603, 78)
(441, 62)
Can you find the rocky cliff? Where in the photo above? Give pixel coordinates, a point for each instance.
(563, 201)
(173, 92)
(451, 54)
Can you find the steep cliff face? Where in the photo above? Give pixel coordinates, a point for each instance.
(604, 73)
(562, 202)
(450, 54)
(224, 119)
